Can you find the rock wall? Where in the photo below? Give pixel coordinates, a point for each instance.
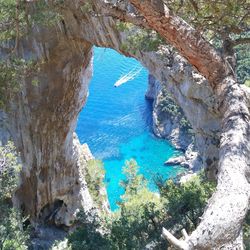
(169, 122)
(42, 121)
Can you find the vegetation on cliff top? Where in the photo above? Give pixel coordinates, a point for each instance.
(170, 109)
(136, 223)
(95, 174)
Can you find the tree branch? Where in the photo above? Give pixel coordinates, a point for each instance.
(243, 40)
(182, 245)
(188, 41)
(123, 15)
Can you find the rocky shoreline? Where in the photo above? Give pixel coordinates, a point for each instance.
(190, 160)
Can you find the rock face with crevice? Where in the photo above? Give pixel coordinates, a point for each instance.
(169, 122)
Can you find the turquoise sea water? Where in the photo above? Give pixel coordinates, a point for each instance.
(116, 122)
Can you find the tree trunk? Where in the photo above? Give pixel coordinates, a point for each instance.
(222, 221)
(188, 41)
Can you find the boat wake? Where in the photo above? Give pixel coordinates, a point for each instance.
(129, 76)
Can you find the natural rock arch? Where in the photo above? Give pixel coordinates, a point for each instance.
(42, 118)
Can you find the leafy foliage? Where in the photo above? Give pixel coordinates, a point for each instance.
(215, 18)
(185, 202)
(138, 221)
(219, 21)
(139, 39)
(17, 19)
(133, 182)
(12, 235)
(243, 63)
(12, 71)
(95, 174)
(171, 109)
(89, 235)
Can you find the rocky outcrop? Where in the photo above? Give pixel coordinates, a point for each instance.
(154, 88)
(169, 121)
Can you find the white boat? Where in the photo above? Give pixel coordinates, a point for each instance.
(128, 77)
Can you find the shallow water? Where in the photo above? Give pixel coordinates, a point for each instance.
(116, 122)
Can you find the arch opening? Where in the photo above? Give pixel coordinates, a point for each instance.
(116, 123)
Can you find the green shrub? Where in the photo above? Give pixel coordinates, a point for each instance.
(185, 202)
(139, 39)
(169, 107)
(90, 235)
(138, 221)
(12, 235)
(95, 174)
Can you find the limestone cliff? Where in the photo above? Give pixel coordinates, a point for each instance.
(42, 120)
(169, 122)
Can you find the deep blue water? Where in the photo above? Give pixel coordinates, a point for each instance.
(116, 122)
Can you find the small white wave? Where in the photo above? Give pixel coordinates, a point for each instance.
(101, 55)
(128, 77)
(122, 121)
